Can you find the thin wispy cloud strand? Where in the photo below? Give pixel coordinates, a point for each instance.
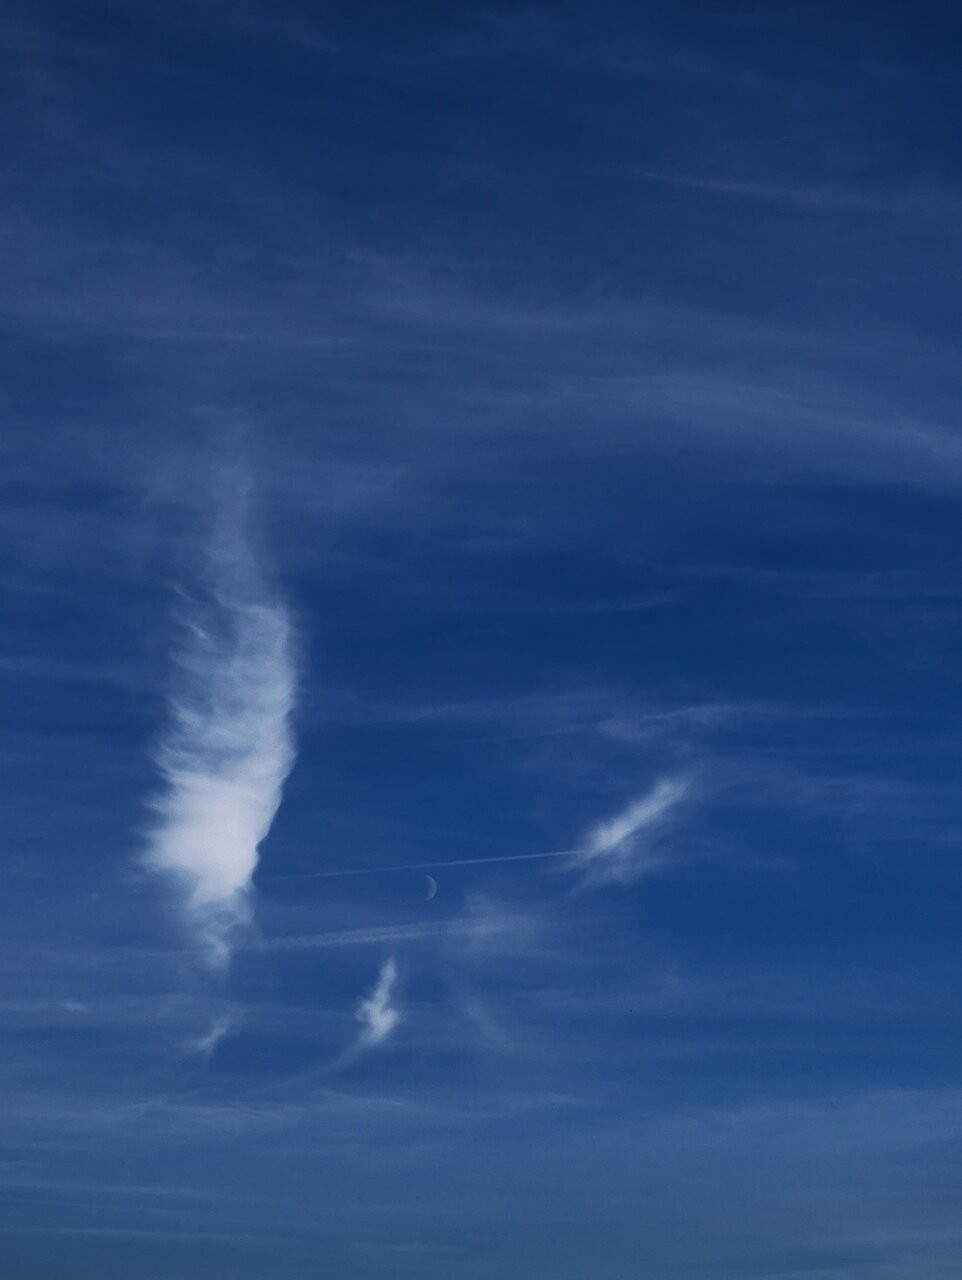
(623, 848)
(228, 747)
(204, 1045)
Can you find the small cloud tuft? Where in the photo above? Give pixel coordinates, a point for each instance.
(377, 1013)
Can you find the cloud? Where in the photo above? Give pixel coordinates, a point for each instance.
(377, 1015)
(205, 1044)
(371, 936)
(622, 849)
(483, 925)
(228, 747)
(488, 928)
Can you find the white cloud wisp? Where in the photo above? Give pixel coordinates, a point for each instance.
(228, 748)
(622, 849)
(204, 1045)
(377, 1013)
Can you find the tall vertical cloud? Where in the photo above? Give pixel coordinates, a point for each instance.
(624, 848)
(228, 747)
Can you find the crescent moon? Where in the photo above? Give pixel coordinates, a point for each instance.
(432, 888)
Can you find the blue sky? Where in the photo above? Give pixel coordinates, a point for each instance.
(438, 436)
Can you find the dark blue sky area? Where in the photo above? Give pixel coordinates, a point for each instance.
(481, 549)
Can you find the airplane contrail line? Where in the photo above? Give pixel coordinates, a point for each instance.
(424, 866)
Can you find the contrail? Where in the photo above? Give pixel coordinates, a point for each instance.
(425, 866)
(228, 748)
(616, 852)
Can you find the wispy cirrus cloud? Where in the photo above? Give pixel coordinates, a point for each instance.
(204, 1045)
(228, 747)
(624, 848)
(378, 1013)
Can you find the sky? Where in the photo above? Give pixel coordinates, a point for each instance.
(481, 548)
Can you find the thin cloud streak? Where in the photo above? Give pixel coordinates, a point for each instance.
(894, 201)
(479, 923)
(375, 936)
(228, 748)
(622, 849)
